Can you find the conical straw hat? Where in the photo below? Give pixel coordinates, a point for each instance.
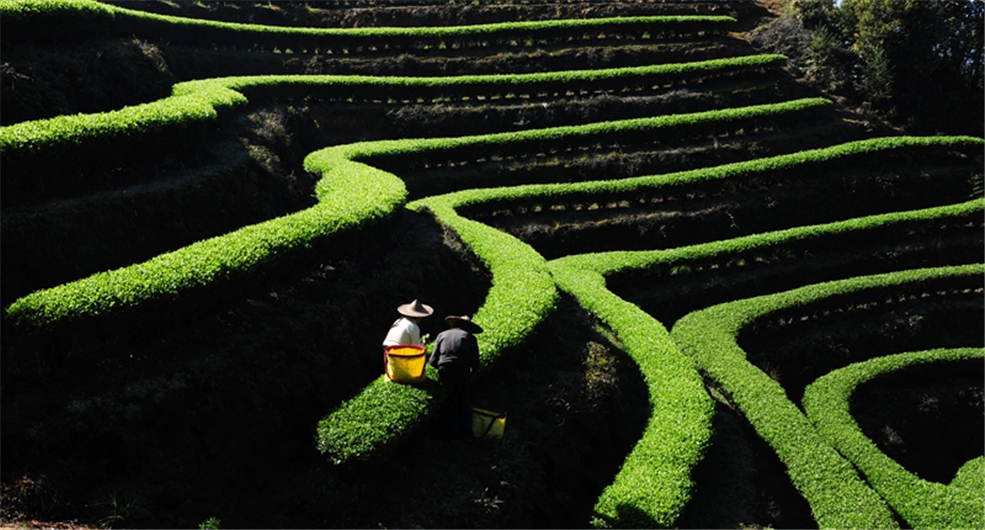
(463, 322)
(415, 309)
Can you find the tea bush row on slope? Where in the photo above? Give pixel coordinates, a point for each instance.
(418, 153)
(355, 430)
(677, 282)
(173, 274)
(838, 497)
(492, 87)
(922, 503)
(585, 196)
(585, 277)
(766, 250)
(521, 297)
(41, 21)
(706, 211)
(654, 483)
(236, 254)
(43, 155)
(346, 199)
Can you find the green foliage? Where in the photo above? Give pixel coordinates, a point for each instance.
(837, 495)
(523, 294)
(792, 164)
(381, 413)
(610, 263)
(654, 483)
(583, 275)
(903, 56)
(370, 87)
(53, 20)
(43, 154)
(37, 14)
(922, 504)
(521, 297)
(349, 193)
(347, 198)
(212, 523)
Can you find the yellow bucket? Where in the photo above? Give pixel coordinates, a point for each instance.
(488, 423)
(405, 363)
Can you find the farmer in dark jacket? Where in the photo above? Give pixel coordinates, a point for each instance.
(456, 356)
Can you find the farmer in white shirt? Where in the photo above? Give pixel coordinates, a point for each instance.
(405, 330)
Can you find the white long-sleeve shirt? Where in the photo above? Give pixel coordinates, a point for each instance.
(403, 331)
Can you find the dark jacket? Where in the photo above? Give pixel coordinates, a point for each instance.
(455, 350)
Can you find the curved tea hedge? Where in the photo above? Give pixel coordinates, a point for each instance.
(654, 484)
(42, 155)
(522, 295)
(58, 20)
(677, 393)
(547, 197)
(823, 450)
(346, 200)
(839, 498)
(923, 504)
(349, 193)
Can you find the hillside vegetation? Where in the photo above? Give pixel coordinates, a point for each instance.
(715, 294)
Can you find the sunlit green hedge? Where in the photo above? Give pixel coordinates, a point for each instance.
(615, 262)
(522, 295)
(47, 20)
(41, 155)
(518, 271)
(670, 380)
(469, 148)
(654, 484)
(370, 88)
(793, 166)
(923, 504)
(346, 199)
(217, 258)
(52, 20)
(838, 497)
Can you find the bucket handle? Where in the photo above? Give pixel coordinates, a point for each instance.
(489, 426)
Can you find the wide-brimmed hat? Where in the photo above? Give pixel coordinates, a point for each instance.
(463, 322)
(415, 309)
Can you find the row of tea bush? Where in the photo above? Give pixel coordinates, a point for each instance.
(44, 155)
(349, 193)
(838, 496)
(59, 20)
(669, 447)
(922, 503)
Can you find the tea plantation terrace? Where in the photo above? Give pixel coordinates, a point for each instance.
(684, 262)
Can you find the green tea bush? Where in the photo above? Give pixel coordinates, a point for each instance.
(64, 19)
(438, 88)
(750, 249)
(436, 151)
(654, 483)
(584, 276)
(381, 413)
(44, 21)
(346, 200)
(114, 289)
(390, 39)
(636, 189)
(521, 297)
(43, 155)
(923, 504)
(837, 495)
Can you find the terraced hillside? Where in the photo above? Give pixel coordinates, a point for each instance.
(712, 297)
